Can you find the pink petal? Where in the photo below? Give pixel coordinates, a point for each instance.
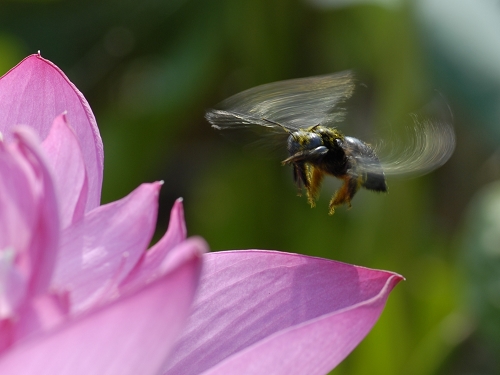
(176, 233)
(148, 267)
(265, 312)
(133, 335)
(39, 314)
(98, 252)
(20, 193)
(70, 177)
(13, 285)
(34, 93)
(40, 260)
(18, 198)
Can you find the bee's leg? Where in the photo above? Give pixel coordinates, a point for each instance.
(316, 177)
(300, 176)
(345, 193)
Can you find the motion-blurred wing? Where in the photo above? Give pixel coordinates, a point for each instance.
(262, 136)
(292, 104)
(427, 145)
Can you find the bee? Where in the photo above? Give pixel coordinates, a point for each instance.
(305, 114)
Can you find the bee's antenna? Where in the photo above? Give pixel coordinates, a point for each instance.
(277, 123)
(282, 127)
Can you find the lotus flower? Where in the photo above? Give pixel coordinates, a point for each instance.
(79, 293)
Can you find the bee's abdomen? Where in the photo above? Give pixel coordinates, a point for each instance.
(375, 181)
(366, 164)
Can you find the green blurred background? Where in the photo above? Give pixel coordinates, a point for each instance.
(151, 68)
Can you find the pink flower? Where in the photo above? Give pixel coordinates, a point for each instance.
(79, 293)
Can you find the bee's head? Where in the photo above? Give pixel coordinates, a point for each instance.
(303, 140)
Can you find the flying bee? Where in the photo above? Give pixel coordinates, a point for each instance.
(306, 114)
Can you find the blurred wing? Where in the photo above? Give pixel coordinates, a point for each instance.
(429, 145)
(292, 104)
(262, 136)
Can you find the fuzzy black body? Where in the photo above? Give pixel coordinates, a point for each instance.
(320, 150)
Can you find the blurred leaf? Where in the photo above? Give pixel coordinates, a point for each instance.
(481, 260)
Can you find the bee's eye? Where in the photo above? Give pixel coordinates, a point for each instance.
(302, 140)
(313, 140)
